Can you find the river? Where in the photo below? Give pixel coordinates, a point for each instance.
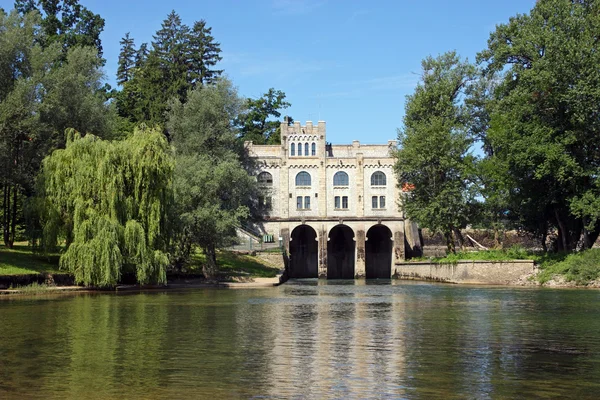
(309, 339)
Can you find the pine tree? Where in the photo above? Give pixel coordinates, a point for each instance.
(204, 55)
(141, 55)
(127, 58)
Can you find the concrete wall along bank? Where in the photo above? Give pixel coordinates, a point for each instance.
(474, 272)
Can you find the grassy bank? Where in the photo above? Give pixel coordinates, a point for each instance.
(235, 265)
(20, 260)
(581, 268)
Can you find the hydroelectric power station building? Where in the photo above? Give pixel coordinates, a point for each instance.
(335, 207)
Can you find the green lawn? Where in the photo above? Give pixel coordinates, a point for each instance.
(232, 264)
(20, 260)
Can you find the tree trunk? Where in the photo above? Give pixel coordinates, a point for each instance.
(13, 224)
(544, 247)
(210, 268)
(460, 238)
(6, 213)
(562, 232)
(450, 242)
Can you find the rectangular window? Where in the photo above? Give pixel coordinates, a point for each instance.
(345, 202)
(261, 201)
(337, 201)
(299, 202)
(381, 201)
(374, 201)
(269, 203)
(299, 149)
(307, 202)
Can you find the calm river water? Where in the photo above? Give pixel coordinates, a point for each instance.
(308, 339)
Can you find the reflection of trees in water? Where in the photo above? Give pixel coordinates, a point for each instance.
(309, 340)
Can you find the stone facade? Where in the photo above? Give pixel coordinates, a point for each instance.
(299, 188)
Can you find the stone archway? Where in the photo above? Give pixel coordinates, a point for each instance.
(303, 253)
(378, 252)
(340, 253)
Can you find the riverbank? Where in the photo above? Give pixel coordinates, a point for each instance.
(24, 272)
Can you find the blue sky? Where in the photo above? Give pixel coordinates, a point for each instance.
(349, 63)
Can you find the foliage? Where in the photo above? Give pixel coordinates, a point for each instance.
(434, 159)
(254, 122)
(213, 189)
(42, 92)
(181, 59)
(582, 267)
(110, 202)
(66, 22)
(513, 253)
(544, 126)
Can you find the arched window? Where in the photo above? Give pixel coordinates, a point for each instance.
(303, 179)
(293, 149)
(378, 179)
(265, 179)
(299, 149)
(306, 149)
(340, 179)
(314, 150)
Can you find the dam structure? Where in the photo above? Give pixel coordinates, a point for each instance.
(335, 208)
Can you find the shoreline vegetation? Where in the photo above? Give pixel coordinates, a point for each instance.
(239, 269)
(23, 271)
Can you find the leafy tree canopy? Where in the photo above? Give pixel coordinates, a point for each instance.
(42, 92)
(255, 124)
(66, 22)
(213, 189)
(109, 201)
(434, 161)
(544, 127)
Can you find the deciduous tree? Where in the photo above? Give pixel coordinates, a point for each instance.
(434, 159)
(109, 201)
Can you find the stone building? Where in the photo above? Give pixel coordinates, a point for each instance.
(335, 207)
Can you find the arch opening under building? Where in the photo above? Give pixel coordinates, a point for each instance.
(304, 253)
(341, 249)
(378, 253)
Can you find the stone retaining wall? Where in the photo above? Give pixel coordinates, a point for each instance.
(475, 272)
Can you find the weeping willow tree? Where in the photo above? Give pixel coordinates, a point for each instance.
(109, 201)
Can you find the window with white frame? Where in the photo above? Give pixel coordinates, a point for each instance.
(299, 149)
(293, 149)
(378, 179)
(303, 179)
(378, 202)
(340, 202)
(340, 179)
(314, 150)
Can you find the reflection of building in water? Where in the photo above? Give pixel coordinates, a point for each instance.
(338, 341)
(335, 206)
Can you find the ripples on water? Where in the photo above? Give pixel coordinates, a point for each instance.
(309, 339)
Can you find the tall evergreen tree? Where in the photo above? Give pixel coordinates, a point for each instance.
(127, 58)
(204, 54)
